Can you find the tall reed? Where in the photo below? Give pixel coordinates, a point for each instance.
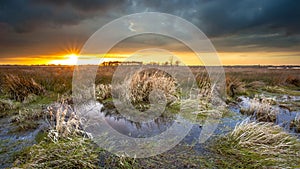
(19, 87)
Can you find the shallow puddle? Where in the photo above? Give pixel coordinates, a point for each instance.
(284, 115)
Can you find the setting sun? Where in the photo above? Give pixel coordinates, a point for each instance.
(70, 59)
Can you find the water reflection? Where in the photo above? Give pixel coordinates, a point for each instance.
(138, 129)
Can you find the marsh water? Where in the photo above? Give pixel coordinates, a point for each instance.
(225, 123)
(14, 141)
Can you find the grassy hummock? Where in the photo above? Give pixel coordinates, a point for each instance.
(66, 153)
(258, 144)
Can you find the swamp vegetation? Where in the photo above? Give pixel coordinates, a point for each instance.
(258, 126)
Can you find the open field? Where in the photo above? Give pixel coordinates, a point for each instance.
(259, 118)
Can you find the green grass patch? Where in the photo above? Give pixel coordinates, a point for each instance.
(66, 153)
(282, 90)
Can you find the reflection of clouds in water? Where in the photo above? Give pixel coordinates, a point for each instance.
(91, 113)
(138, 129)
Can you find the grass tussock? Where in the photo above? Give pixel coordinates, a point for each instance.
(144, 85)
(27, 119)
(63, 145)
(261, 110)
(103, 92)
(63, 122)
(260, 144)
(292, 80)
(255, 85)
(234, 86)
(5, 107)
(66, 153)
(204, 85)
(19, 88)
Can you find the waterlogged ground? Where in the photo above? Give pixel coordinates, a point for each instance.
(287, 107)
(12, 142)
(189, 153)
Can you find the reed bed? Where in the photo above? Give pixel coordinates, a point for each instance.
(19, 87)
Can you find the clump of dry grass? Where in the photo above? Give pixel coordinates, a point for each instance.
(265, 138)
(63, 122)
(234, 86)
(27, 119)
(261, 110)
(19, 88)
(296, 123)
(143, 83)
(204, 86)
(64, 145)
(103, 91)
(292, 80)
(139, 87)
(255, 84)
(5, 106)
(261, 144)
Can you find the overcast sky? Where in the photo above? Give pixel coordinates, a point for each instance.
(242, 31)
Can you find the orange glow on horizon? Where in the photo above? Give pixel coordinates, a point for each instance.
(226, 58)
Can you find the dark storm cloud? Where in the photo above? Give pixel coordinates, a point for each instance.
(271, 23)
(236, 16)
(219, 17)
(25, 16)
(233, 25)
(215, 18)
(84, 5)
